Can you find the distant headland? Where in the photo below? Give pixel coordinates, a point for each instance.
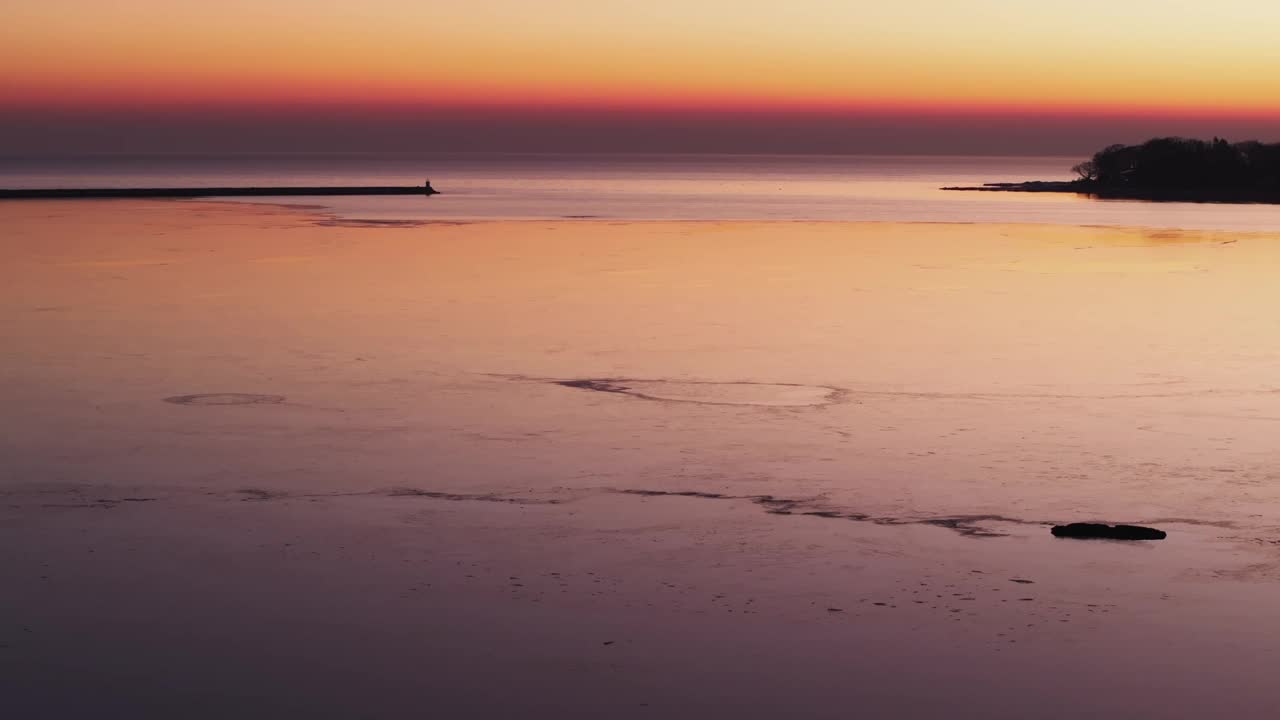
(1170, 169)
(206, 192)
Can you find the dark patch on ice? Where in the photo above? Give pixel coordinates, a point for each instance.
(101, 503)
(610, 386)
(260, 495)
(466, 497)
(967, 525)
(226, 399)
(831, 514)
(974, 526)
(753, 393)
(365, 223)
(711, 392)
(256, 494)
(681, 493)
(1226, 524)
(375, 223)
(1102, 531)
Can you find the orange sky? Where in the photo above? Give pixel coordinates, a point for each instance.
(1085, 55)
(828, 76)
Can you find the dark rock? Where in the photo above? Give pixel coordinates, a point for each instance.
(1108, 532)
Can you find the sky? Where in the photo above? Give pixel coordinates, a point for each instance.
(980, 76)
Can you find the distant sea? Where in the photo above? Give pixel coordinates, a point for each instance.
(653, 187)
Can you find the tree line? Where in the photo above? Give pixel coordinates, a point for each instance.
(1184, 163)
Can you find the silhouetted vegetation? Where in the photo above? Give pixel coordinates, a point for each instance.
(1184, 164)
(1169, 169)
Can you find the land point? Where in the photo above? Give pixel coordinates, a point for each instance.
(1170, 170)
(205, 192)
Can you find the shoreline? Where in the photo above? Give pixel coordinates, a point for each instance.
(1078, 187)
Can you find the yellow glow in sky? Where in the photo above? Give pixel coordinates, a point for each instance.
(1086, 54)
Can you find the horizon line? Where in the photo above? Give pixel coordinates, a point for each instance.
(669, 107)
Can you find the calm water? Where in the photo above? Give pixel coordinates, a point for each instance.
(713, 187)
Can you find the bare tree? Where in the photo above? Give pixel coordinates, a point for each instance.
(1087, 170)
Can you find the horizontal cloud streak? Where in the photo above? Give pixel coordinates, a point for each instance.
(325, 128)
